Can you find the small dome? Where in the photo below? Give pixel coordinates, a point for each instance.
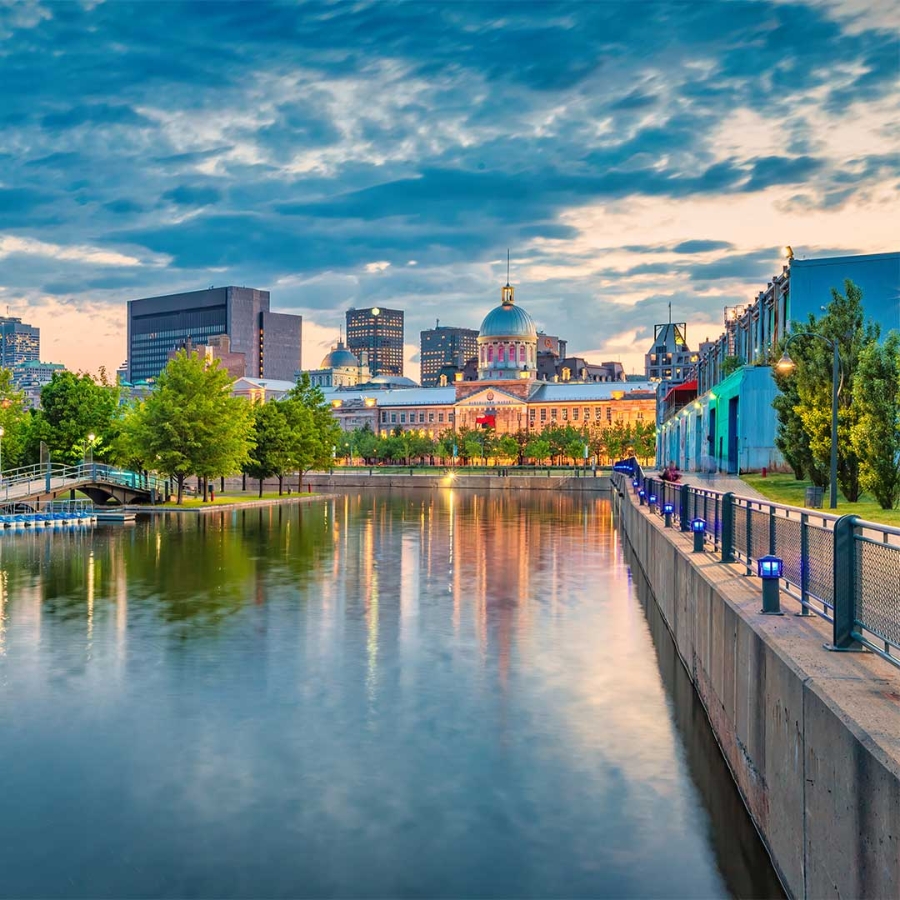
(340, 358)
(508, 321)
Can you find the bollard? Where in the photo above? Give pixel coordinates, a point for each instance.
(668, 509)
(698, 527)
(651, 501)
(641, 494)
(308, 488)
(770, 569)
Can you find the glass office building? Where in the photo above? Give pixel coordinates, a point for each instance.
(378, 332)
(157, 325)
(445, 346)
(19, 342)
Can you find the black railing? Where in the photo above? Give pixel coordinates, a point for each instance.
(842, 568)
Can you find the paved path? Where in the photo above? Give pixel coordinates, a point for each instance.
(723, 483)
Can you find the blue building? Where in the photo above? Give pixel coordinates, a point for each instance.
(721, 418)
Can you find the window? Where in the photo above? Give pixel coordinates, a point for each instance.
(543, 415)
(640, 415)
(402, 418)
(490, 354)
(421, 418)
(393, 418)
(575, 413)
(553, 414)
(431, 417)
(440, 417)
(521, 353)
(587, 413)
(565, 414)
(383, 417)
(609, 414)
(501, 353)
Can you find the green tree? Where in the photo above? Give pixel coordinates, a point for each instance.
(876, 431)
(72, 407)
(190, 424)
(364, 442)
(508, 447)
(643, 439)
(843, 322)
(537, 448)
(273, 442)
(575, 449)
(14, 421)
(316, 432)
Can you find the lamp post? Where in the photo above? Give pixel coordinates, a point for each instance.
(786, 366)
(2, 432)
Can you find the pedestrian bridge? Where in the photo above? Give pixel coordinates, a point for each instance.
(102, 483)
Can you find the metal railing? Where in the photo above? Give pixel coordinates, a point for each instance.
(842, 568)
(26, 480)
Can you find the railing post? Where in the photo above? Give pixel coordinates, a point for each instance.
(804, 564)
(728, 527)
(684, 515)
(749, 538)
(844, 584)
(772, 530)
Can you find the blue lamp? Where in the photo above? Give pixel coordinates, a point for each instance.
(635, 483)
(652, 501)
(698, 527)
(668, 509)
(641, 494)
(770, 569)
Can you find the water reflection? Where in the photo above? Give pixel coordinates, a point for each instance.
(441, 694)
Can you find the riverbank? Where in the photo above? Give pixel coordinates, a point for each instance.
(225, 504)
(812, 738)
(459, 480)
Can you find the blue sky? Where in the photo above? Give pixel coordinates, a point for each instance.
(629, 154)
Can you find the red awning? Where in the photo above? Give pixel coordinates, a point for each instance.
(689, 387)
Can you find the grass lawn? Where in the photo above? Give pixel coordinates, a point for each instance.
(786, 489)
(225, 499)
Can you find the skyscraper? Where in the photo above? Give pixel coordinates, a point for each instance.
(157, 325)
(378, 332)
(442, 346)
(19, 342)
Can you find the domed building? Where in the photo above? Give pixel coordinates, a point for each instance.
(340, 368)
(507, 342)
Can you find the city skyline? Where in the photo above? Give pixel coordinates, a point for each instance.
(388, 155)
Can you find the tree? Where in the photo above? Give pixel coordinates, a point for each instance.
(72, 407)
(575, 449)
(537, 448)
(364, 443)
(316, 433)
(190, 424)
(876, 432)
(508, 446)
(13, 420)
(844, 323)
(272, 435)
(643, 439)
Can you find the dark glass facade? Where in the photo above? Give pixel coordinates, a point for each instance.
(158, 325)
(19, 342)
(442, 346)
(378, 332)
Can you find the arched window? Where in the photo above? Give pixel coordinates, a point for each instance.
(521, 353)
(501, 355)
(490, 354)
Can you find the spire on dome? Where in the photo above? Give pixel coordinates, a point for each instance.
(508, 292)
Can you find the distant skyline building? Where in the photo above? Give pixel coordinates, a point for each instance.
(269, 341)
(669, 358)
(378, 332)
(32, 376)
(445, 345)
(19, 342)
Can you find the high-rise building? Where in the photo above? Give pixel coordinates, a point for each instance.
(157, 325)
(378, 332)
(670, 358)
(445, 346)
(19, 342)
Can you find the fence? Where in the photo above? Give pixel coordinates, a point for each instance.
(841, 568)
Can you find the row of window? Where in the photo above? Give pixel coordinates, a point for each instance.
(553, 414)
(505, 353)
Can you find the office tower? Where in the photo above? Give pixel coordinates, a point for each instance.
(19, 342)
(378, 332)
(445, 346)
(157, 325)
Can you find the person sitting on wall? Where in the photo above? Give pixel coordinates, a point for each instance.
(670, 473)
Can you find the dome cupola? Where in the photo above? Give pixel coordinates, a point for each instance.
(507, 341)
(340, 358)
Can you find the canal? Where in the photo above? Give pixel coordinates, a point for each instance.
(422, 694)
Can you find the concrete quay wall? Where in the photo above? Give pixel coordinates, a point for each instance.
(341, 480)
(812, 738)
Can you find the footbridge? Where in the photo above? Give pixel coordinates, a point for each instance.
(102, 483)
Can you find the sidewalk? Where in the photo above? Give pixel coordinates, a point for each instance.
(722, 483)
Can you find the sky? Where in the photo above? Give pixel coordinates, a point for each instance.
(628, 154)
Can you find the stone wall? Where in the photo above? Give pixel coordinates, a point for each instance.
(812, 738)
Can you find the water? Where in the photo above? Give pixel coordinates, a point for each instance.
(419, 694)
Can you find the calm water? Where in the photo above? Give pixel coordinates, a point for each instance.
(401, 695)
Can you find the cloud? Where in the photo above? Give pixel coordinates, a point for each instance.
(623, 153)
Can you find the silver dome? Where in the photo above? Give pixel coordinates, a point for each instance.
(508, 321)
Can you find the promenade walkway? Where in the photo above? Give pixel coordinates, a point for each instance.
(722, 483)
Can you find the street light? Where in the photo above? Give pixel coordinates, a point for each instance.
(2, 432)
(785, 366)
